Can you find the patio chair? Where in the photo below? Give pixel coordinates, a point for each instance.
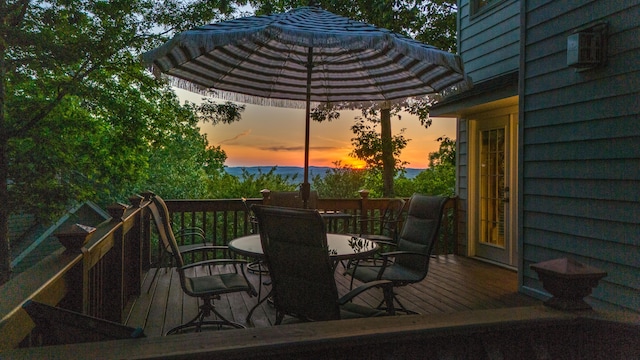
(391, 218)
(195, 234)
(413, 250)
(253, 222)
(292, 199)
(57, 326)
(207, 287)
(294, 242)
(387, 236)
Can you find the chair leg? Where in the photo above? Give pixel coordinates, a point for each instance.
(279, 317)
(206, 309)
(390, 298)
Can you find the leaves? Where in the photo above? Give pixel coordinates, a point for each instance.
(80, 116)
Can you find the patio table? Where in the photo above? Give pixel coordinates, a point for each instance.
(341, 247)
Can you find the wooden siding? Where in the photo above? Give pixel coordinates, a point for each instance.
(489, 42)
(580, 161)
(462, 184)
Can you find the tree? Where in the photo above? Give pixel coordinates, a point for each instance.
(440, 177)
(368, 143)
(340, 182)
(430, 21)
(76, 103)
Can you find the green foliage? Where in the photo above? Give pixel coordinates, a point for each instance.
(216, 113)
(80, 116)
(340, 182)
(77, 106)
(226, 186)
(446, 154)
(439, 180)
(440, 177)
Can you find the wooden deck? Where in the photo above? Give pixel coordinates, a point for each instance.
(454, 284)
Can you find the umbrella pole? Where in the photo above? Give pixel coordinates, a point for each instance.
(306, 187)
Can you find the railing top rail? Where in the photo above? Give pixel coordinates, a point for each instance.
(359, 338)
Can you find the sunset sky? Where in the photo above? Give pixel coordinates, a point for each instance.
(271, 136)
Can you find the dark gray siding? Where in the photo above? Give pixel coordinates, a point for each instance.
(462, 182)
(489, 42)
(580, 160)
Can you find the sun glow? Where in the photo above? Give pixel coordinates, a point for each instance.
(354, 163)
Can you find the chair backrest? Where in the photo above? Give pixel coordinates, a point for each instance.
(158, 220)
(420, 230)
(160, 214)
(292, 199)
(391, 218)
(295, 247)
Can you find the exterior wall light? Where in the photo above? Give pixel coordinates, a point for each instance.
(587, 47)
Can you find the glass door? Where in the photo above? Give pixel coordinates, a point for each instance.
(494, 240)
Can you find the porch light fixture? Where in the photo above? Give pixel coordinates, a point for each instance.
(587, 47)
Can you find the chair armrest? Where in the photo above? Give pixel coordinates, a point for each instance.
(361, 219)
(362, 288)
(195, 231)
(396, 253)
(382, 242)
(217, 262)
(212, 248)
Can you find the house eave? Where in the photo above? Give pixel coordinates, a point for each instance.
(497, 88)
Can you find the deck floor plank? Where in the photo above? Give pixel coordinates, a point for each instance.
(454, 283)
(157, 310)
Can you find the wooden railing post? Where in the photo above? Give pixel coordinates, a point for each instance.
(265, 196)
(133, 260)
(109, 273)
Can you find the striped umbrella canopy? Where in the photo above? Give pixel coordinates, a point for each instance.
(302, 56)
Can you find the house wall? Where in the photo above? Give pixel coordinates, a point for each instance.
(462, 184)
(489, 42)
(580, 155)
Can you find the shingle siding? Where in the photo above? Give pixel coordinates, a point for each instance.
(462, 157)
(489, 43)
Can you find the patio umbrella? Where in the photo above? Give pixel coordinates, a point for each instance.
(306, 55)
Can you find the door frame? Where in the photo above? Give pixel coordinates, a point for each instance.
(475, 120)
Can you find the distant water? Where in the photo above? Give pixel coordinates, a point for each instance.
(291, 170)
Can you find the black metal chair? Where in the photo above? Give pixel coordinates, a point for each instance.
(197, 241)
(294, 242)
(57, 326)
(208, 287)
(292, 199)
(413, 250)
(388, 223)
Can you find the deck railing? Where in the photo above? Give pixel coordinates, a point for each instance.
(104, 277)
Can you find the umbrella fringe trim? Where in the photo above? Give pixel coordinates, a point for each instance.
(464, 85)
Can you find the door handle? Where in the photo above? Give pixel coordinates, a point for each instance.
(505, 195)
